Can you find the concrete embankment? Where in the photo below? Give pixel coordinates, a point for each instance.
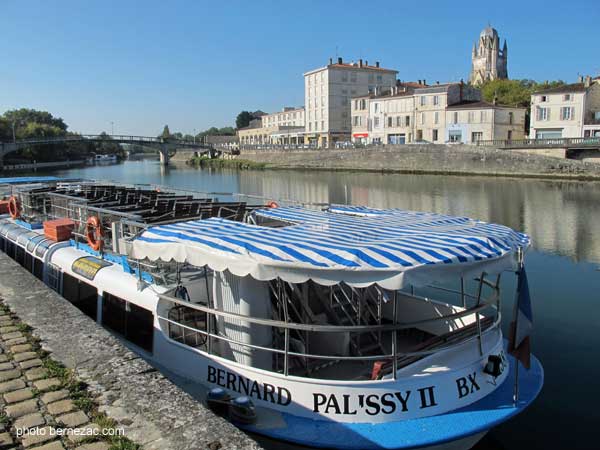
(153, 411)
(442, 159)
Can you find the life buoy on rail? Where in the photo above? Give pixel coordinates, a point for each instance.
(94, 233)
(272, 204)
(14, 207)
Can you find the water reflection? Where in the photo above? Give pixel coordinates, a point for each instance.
(560, 216)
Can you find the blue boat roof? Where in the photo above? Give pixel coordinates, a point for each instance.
(20, 180)
(357, 245)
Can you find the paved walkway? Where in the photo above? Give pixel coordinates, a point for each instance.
(40, 399)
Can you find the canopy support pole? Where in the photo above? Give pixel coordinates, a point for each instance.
(286, 332)
(477, 315)
(394, 337)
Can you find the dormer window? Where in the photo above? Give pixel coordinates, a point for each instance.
(567, 97)
(543, 98)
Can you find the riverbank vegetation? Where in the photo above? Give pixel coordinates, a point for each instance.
(21, 124)
(220, 163)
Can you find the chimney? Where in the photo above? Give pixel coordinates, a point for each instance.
(330, 60)
(580, 79)
(424, 82)
(360, 64)
(376, 63)
(340, 60)
(366, 62)
(588, 81)
(437, 82)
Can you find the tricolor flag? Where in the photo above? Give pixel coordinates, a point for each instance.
(520, 328)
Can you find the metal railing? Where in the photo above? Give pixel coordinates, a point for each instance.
(492, 302)
(539, 143)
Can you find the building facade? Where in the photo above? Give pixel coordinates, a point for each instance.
(438, 114)
(569, 111)
(488, 61)
(285, 127)
(327, 94)
(470, 122)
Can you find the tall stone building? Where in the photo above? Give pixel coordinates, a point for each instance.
(488, 60)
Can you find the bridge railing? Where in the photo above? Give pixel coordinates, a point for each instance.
(105, 137)
(540, 143)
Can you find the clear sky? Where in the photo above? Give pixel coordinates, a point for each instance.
(196, 64)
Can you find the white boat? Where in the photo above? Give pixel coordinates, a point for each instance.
(105, 159)
(343, 327)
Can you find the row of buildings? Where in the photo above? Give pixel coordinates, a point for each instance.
(365, 103)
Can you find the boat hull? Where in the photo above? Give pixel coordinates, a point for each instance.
(459, 429)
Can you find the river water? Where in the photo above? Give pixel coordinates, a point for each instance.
(563, 220)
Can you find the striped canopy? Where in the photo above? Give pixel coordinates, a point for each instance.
(357, 245)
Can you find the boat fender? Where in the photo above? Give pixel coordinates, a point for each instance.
(217, 400)
(272, 204)
(94, 233)
(242, 410)
(14, 207)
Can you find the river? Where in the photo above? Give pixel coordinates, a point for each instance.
(563, 219)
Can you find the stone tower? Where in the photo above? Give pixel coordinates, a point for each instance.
(488, 61)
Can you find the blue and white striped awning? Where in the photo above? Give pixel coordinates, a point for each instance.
(357, 245)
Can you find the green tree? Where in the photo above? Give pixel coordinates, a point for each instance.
(507, 92)
(243, 119)
(166, 134)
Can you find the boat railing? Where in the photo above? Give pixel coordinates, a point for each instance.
(393, 357)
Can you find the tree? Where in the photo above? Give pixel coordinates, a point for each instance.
(507, 92)
(243, 119)
(166, 134)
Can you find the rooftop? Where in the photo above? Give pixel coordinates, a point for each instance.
(479, 105)
(575, 87)
(360, 65)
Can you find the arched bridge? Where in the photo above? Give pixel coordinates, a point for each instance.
(164, 145)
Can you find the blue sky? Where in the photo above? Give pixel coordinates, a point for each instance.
(195, 64)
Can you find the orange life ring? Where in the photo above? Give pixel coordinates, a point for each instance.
(14, 207)
(272, 204)
(94, 233)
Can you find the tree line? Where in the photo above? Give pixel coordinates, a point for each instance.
(24, 123)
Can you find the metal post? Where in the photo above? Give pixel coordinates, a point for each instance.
(286, 332)
(462, 292)
(515, 318)
(209, 318)
(477, 316)
(394, 337)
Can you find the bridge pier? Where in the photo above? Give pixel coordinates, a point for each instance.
(163, 151)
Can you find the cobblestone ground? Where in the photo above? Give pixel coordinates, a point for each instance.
(40, 395)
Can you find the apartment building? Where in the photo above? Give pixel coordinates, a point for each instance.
(472, 121)
(569, 111)
(279, 128)
(327, 94)
(416, 112)
(288, 117)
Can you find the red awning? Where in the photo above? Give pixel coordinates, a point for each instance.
(360, 135)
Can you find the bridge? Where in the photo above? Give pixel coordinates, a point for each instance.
(163, 145)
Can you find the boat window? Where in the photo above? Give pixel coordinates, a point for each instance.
(20, 255)
(10, 249)
(38, 268)
(190, 319)
(81, 294)
(134, 323)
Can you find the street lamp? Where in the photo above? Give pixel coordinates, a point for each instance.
(112, 128)
(194, 135)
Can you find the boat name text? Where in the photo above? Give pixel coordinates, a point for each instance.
(261, 391)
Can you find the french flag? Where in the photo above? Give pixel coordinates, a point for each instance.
(520, 329)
